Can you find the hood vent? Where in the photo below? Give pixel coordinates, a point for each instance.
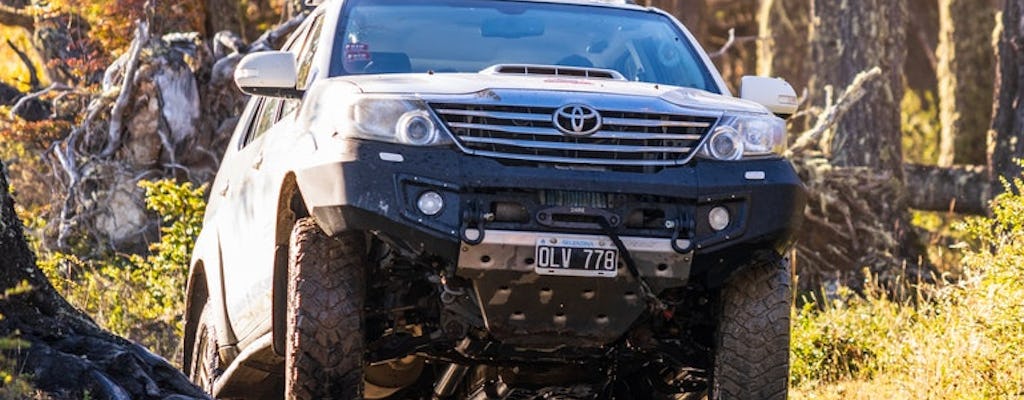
(553, 70)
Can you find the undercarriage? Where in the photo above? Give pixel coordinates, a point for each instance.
(532, 336)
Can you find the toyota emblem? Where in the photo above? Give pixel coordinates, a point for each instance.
(577, 120)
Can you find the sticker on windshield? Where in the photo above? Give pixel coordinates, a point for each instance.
(357, 52)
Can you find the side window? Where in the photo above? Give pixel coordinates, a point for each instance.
(265, 118)
(297, 39)
(305, 58)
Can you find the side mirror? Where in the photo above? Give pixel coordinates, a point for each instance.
(773, 93)
(268, 73)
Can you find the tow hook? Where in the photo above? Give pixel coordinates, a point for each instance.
(474, 218)
(682, 228)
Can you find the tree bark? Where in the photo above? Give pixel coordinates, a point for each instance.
(964, 110)
(849, 40)
(1006, 137)
(69, 355)
(864, 176)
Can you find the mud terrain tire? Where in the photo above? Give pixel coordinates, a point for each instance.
(326, 291)
(752, 339)
(205, 365)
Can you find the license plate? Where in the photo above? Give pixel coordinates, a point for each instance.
(576, 257)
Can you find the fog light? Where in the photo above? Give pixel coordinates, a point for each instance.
(430, 203)
(718, 218)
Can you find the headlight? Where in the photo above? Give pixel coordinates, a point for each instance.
(725, 143)
(745, 135)
(386, 119)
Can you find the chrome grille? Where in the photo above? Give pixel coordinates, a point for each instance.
(526, 135)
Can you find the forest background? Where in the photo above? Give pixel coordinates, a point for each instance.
(114, 115)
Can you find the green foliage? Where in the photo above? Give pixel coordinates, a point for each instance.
(921, 129)
(141, 298)
(962, 339)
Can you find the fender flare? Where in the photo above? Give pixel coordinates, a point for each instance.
(205, 279)
(291, 206)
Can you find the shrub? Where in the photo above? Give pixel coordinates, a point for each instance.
(957, 340)
(141, 298)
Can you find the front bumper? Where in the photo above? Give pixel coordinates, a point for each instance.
(376, 185)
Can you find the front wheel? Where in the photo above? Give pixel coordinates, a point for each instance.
(326, 292)
(751, 359)
(205, 365)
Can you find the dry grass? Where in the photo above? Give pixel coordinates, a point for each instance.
(959, 340)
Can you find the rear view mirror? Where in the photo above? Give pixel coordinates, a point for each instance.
(268, 73)
(773, 93)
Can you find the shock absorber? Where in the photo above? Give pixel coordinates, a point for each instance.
(449, 380)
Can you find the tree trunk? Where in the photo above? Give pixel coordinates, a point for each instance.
(964, 110)
(68, 355)
(961, 189)
(784, 50)
(864, 148)
(1006, 138)
(849, 40)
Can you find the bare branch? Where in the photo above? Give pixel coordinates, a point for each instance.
(23, 101)
(727, 45)
(33, 75)
(733, 40)
(834, 112)
(127, 84)
(268, 40)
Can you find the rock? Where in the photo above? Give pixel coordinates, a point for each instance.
(123, 217)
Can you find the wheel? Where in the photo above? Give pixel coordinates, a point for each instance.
(751, 359)
(205, 364)
(326, 291)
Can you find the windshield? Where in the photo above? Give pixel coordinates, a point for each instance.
(395, 36)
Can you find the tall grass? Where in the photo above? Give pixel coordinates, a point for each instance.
(958, 339)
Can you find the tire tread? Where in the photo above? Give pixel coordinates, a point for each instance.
(326, 292)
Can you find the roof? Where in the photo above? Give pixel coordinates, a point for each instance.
(627, 3)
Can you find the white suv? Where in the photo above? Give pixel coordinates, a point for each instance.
(496, 200)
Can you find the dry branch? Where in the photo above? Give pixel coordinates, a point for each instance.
(117, 113)
(33, 75)
(837, 241)
(24, 100)
(833, 113)
(731, 41)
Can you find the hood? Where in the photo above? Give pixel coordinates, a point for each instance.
(469, 83)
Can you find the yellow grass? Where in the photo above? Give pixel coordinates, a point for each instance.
(957, 340)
